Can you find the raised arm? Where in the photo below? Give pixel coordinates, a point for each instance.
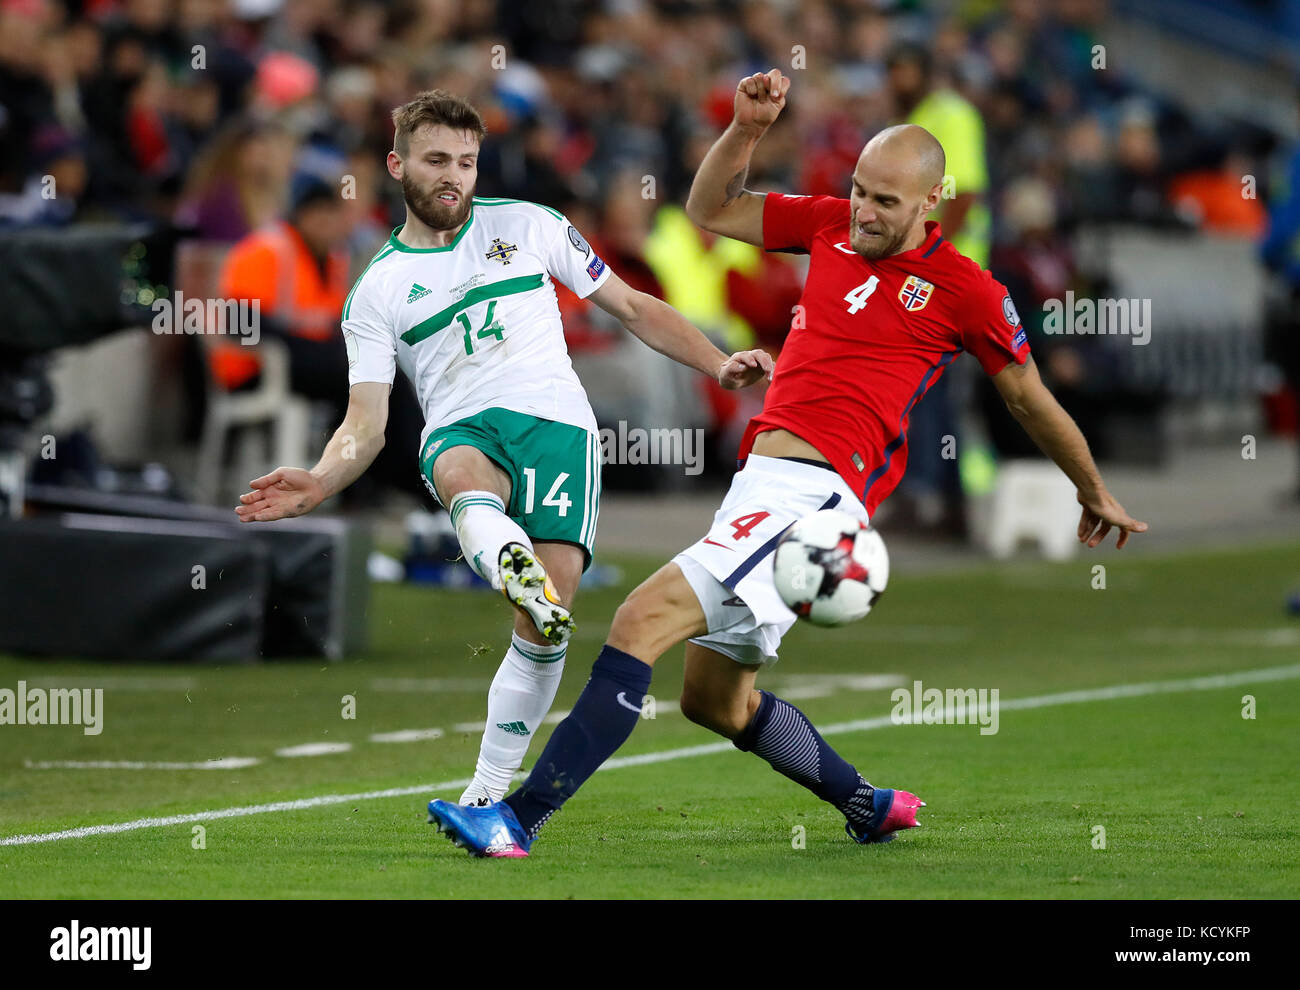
(719, 201)
(1057, 435)
(291, 491)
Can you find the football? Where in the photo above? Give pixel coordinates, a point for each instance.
(831, 568)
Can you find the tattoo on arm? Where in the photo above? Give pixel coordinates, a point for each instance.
(736, 186)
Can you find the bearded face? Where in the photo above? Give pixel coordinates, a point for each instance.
(897, 180)
(881, 237)
(437, 204)
(438, 169)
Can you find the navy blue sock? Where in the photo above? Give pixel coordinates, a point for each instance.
(602, 718)
(782, 735)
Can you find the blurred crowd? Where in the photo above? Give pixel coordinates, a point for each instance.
(223, 116)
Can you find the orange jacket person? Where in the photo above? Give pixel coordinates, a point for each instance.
(298, 270)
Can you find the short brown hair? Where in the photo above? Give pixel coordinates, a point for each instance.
(432, 108)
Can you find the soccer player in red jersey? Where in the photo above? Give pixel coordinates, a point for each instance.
(888, 304)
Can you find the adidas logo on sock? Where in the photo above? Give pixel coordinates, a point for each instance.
(514, 728)
(417, 292)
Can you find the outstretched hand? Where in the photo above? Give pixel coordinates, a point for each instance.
(745, 368)
(1101, 513)
(282, 494)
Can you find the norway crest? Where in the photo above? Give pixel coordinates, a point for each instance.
(915, 293)
(501, 252)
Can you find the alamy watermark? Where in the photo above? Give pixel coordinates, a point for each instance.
(920, 705)
(1100, 317)
(197, 315)
(102, 944)
(53, 706)
(637, 445)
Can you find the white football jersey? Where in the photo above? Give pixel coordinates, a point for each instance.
(475, 325)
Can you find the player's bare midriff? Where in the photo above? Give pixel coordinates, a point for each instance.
(783, 443)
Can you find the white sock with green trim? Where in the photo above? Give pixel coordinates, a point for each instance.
(519, 699)
(484, 528)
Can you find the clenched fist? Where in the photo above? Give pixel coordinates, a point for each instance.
(759, 99)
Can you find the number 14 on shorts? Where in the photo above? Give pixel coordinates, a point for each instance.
(555, 497)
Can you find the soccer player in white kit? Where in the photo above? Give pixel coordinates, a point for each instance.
(461, 298)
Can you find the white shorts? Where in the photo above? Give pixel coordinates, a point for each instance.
(730, 570)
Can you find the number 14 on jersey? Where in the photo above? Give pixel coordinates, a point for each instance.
(490, 327)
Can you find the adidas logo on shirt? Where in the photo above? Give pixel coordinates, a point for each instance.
(514, 728)
(417, 292)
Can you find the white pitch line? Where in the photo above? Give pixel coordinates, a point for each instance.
(407, 735)
(1209, 682)
(314, 749)
(1110, 693)
(1284, 636)
(1206, 683)
(222, 763)
(800, 687)
(252, 809)
(854, 682)
(796, 687)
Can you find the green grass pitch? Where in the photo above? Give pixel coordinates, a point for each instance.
(1194, 799)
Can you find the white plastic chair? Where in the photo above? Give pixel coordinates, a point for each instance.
(1033, 500)
(270, 405)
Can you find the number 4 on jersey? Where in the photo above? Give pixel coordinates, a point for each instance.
(858, 296)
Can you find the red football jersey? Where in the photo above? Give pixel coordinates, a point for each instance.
(870, 337)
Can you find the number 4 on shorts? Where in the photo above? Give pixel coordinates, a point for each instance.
(745, 524)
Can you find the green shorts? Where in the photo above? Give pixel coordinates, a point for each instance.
(554, 471)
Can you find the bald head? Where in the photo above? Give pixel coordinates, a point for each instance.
(909, 148)
(897, 180)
